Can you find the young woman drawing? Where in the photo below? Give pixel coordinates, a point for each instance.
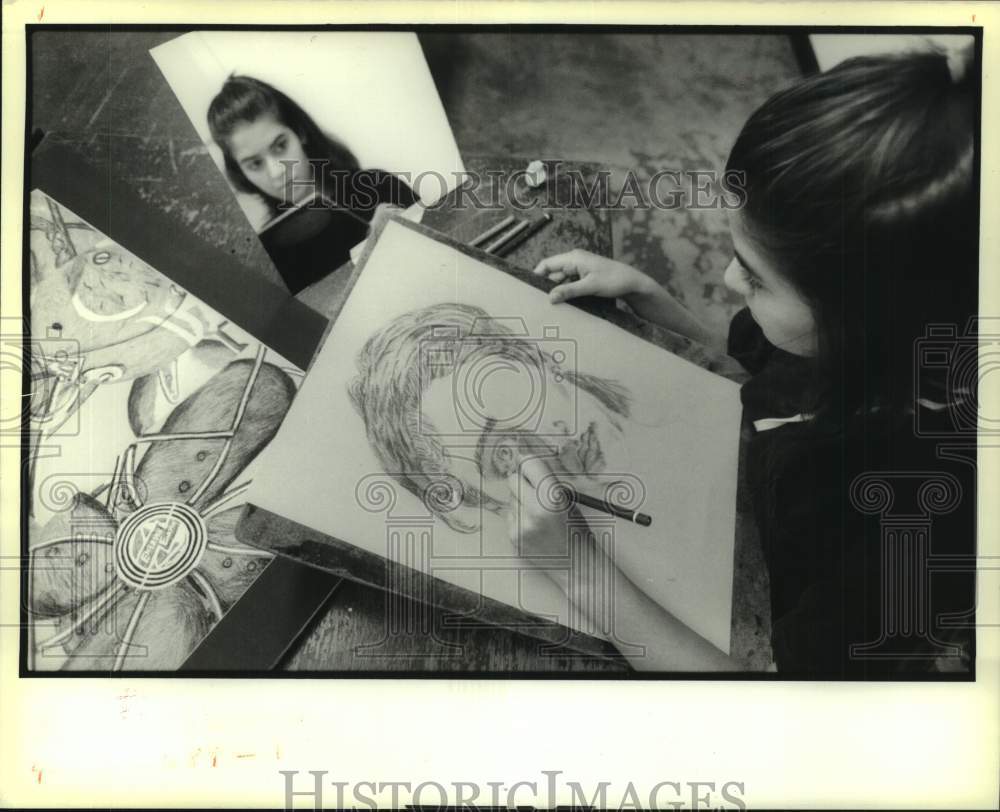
(858, 232)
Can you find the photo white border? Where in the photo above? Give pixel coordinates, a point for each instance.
(185, 743)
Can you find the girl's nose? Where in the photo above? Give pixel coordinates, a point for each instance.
(275, 169)
(733, 279)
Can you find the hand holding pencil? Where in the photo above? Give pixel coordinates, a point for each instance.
(540, 531)
(543, 520)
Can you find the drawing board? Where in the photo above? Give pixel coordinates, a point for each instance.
(437, 365)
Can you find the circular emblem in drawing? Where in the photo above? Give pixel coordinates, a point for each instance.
(159, 544)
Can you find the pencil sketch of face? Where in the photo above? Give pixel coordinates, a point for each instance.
(452, 398)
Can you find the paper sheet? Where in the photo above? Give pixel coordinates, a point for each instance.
(327, 73)
(433, 354)
(148, 412)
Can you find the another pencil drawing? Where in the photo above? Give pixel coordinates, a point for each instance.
(132, 494)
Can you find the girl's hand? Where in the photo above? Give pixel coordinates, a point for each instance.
(553, 538)
(541, 522)
(582, 273)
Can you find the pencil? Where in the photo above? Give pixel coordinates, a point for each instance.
(490, 232)
(517, 237)
(607, 507)
(504, 239)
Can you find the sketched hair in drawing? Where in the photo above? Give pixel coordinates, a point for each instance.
(397, 365)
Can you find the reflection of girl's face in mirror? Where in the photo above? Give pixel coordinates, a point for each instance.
(263, 148)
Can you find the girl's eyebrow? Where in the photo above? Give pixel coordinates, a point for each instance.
(277, 138)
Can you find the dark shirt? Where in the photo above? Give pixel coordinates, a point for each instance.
(841, 577)
(316, 239)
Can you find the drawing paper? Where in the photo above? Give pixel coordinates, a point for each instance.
(434, 357)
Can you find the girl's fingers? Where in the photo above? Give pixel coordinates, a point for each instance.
(515, 483)
(542, 493)
(587, 286)
(533, 470)
(560, 263)
(560, 276)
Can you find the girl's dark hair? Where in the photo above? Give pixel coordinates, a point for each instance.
(860, 186)
(243, 99)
